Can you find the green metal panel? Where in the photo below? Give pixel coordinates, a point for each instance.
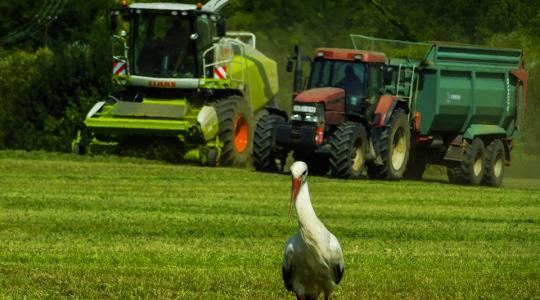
(164, 118)
(470, 57)
(481, 130)
(463, 85)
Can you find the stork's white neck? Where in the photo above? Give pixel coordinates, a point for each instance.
(306, 214)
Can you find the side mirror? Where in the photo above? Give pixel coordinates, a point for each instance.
(221, 28)
(290, 66)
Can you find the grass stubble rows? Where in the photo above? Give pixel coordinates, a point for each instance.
(97, 227)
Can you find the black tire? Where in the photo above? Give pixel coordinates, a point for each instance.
(395, 143)
(415, 169)
(348, 151)
(471, 169)
(267, 157)
(235, 131)
(495, 159)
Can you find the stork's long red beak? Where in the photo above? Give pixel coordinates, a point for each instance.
(296, 183)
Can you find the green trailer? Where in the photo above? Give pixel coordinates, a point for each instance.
(183, 84)
(464, 106)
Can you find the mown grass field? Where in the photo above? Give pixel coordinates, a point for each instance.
(91, 227)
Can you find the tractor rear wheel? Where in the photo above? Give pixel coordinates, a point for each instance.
(396, 144)
(495, 160)
(348, 150)
(471, 169)
(267, 157)
(235, 131)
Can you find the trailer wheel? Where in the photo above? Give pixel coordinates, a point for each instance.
(396, 144)
(235, 131)
(471, 169)
(415, 169)
(267, 157)
(348, 151)
(495, 160)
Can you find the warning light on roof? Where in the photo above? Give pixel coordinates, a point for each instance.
(124, 3)
(199, 6)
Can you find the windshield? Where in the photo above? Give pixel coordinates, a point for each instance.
(163, 46)
(348, 75)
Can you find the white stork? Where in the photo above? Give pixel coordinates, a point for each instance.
(312, 260)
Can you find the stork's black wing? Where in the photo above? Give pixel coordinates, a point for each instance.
(339, 269)
(288, 275)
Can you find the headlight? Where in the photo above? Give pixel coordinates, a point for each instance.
(304, 108)
(311, 118)
(296, 117)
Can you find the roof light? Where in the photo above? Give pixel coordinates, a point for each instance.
(199, 6)
(320, 54)
(124, 3)
(358, 57)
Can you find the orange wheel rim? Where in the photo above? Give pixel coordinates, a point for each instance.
(241, 134)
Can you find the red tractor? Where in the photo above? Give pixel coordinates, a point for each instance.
(332, 120)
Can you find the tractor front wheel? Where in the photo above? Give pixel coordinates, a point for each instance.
(235, 131)
(267, 157)
(348, 151)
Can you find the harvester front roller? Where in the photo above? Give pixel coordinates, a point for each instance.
(235, 131)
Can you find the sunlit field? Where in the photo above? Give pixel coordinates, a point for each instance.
(105, 227)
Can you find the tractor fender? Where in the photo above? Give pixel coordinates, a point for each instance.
(277, 111)
(209, 122)
(384, 109)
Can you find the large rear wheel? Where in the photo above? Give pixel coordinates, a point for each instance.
(348, 150)
(235, 131)
(471, 169)
(267, 156)
(495, 161)
(395, 141)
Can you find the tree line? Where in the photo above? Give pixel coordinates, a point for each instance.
(55, 55)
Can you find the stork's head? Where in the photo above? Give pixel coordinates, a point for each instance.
(299, 177)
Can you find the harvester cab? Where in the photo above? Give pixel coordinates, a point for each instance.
(183, 89)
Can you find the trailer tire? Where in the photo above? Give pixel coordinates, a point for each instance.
(472, 168)
(495, 160)
(395, 141)
(348, 151)
(415, 169)
(235, 131)
(267, 157)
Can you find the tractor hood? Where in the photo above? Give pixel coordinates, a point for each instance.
(332, 98)
(325, 95)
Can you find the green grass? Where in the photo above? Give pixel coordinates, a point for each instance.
(99, 227)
